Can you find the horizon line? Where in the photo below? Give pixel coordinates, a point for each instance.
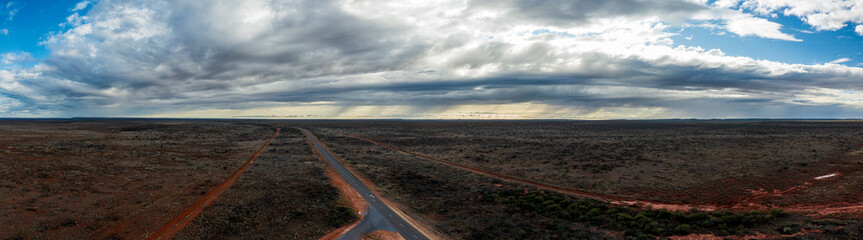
(436, 119)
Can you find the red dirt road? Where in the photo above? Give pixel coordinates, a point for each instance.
(595, 196)
(816, 209)
(178, 223)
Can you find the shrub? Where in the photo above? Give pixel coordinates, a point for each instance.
(657, 231)
(340, 216)
(694, 217)
(788, 230)
(624, 217)
(778, 213)
(683, 229)
(594, 212)
(554, 210)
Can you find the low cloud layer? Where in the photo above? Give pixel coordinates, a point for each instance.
(571, 59)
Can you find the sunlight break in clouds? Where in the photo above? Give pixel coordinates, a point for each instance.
(425, 59)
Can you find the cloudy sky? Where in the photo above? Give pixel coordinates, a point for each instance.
(590, 59)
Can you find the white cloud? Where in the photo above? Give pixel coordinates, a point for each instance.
(7, 103)
(73, 20)
(726, 3)
(859, 30)
(718, 16)
(81, 6)
(4, 31)
(744, 25)
(822, 15)
(12, 9)
(13, 58)
(841, 60)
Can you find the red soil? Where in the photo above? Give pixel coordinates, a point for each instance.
(129, 220)
(172, 228)
(700, 236)
(383, 235)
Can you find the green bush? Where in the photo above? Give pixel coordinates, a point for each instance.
(657, 231)
(554, 210)
(594, 212)
(340, 216)
(683, 229)
(695, 217)
(625, 217)
(778, 213)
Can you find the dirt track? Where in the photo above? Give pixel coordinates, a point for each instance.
(822, 209)
(172, 228)
(601, 197)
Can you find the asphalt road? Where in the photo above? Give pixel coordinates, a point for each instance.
(372, 220)
(375, 204)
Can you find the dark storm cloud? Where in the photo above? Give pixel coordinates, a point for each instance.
(167, 50)
(616, 72)
(563, 12)
(195, 43)
(315, 39)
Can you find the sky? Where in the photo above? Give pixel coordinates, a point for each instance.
(430, 59)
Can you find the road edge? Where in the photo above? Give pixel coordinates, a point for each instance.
(425, 230)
